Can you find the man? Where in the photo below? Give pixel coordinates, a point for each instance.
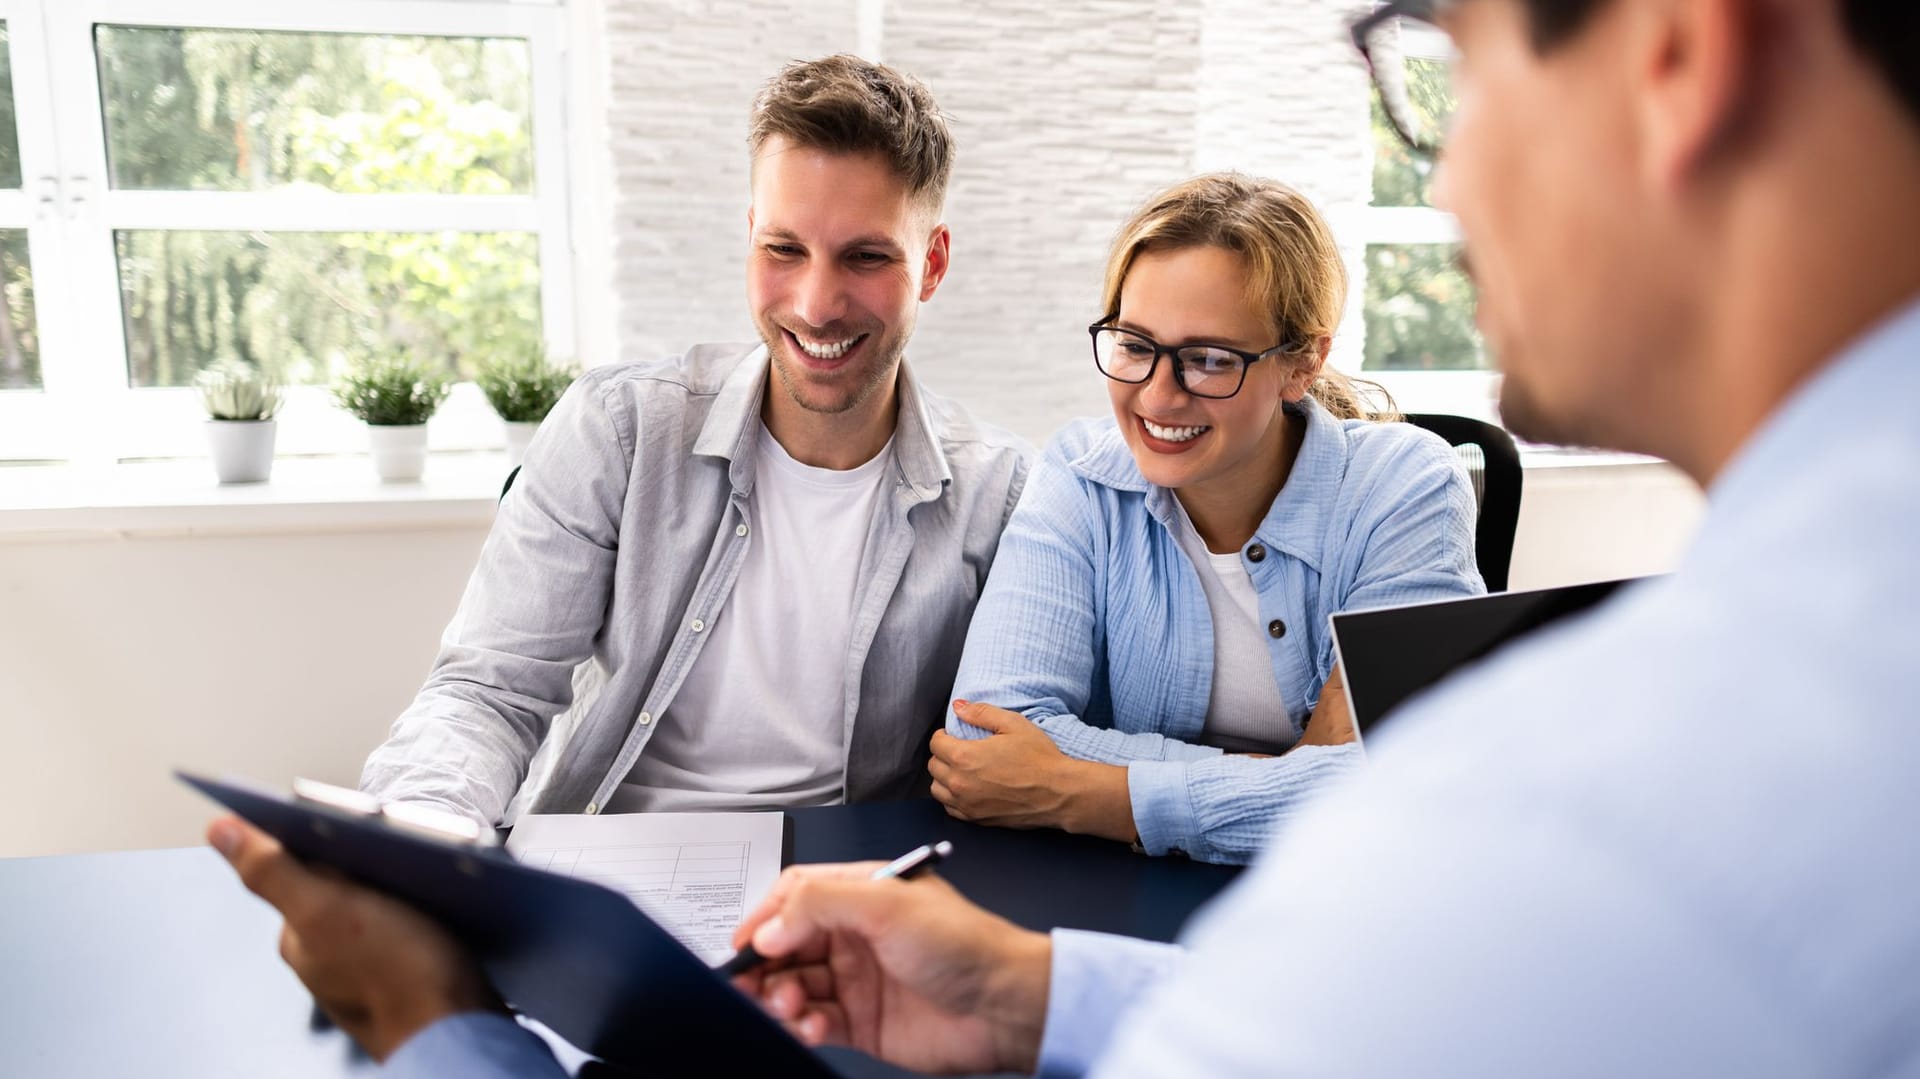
(749, 571)
(1672, 837)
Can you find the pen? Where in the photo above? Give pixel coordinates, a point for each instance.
(905, 867)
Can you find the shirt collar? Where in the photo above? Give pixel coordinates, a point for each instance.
(1803, 439)
(733, 425)
(1296, 523)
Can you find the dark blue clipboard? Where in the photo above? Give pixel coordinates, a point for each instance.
(578, 957)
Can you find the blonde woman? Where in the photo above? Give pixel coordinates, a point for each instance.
(1150, 660)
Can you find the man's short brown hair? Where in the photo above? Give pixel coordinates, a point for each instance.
(1887, 32)
(845, 105)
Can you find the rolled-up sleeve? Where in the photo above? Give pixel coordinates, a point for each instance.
(1224, 808)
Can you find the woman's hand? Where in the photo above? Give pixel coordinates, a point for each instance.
(1018, 778)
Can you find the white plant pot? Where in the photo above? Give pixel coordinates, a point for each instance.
(399, 452)
(242, 449)
(518, 435)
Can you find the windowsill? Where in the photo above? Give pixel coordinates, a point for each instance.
(340, 494)
(1534, 456)
(305, 494)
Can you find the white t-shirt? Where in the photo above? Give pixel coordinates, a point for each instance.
(761, 720)
(1245, 713)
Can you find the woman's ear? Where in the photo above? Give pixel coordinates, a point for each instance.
(1300, 379)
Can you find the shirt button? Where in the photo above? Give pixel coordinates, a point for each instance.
(646, 718)
(593, 807)
(740, 530)
(1276, 629)
(1256, 553)
(698, 625)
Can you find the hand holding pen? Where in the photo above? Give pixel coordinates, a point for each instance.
(905, 867)
(914, 974)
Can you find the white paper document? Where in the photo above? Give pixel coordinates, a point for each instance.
(697, 874)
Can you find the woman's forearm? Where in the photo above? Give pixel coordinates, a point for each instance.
(1099, 803)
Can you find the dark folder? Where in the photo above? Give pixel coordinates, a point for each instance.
(574, 955)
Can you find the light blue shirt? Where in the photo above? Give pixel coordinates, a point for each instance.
(475, 1044)
(1675, 837)
(1095, 624)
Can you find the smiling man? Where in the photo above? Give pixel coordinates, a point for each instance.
(747, 570)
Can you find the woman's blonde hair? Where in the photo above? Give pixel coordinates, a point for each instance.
(1294, 271)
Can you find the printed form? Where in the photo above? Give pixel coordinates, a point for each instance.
(697, 874)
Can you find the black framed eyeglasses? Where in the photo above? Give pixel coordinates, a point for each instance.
(1411, 61)
(1213, 371)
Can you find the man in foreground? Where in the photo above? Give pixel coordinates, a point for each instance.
(1672, 837)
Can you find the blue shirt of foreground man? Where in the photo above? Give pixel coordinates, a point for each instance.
(1671, 838)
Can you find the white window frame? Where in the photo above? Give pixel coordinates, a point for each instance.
(86, 412)
(1464, 393)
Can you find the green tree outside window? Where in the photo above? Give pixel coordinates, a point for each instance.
(219, 110)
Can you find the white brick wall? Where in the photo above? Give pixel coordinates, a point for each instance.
(1067, 116)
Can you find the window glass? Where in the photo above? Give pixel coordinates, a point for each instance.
(1419, 310)
(301, 304)
(19, 334)
(9, 132)
(1399, 177)
(239, 110)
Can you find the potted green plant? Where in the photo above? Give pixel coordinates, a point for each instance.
(394, 395)
(523, 387)
(240, 400)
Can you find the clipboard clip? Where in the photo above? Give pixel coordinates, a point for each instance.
(432, 823)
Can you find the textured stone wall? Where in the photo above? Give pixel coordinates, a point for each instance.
(1067, 114)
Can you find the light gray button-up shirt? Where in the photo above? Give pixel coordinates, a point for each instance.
(622, 539)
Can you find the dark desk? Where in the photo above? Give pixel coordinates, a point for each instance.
(158, 964)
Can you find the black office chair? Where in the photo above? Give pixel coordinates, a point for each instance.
(1494, 466)
(508, 486)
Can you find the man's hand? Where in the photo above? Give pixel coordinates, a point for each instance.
(907, 971)
(1331, 724)
(1018, 778)
(381, 969)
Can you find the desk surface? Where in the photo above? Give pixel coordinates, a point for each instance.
(157, 963)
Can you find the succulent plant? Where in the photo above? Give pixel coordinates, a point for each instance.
(237, 391)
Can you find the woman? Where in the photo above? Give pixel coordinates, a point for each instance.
(1150, 660)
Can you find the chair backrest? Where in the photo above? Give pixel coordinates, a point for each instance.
(1493, 463)
(508, 486)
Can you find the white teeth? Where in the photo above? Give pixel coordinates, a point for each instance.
(1173, 434)
(827, 350)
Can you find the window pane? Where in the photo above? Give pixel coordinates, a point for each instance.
(19, 340)
(233, 110)
(301, 304)
(1399, 178)
(1419, 310)
(9, 133)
